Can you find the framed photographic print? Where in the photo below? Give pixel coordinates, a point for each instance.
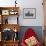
(29, 13)
(5, 12)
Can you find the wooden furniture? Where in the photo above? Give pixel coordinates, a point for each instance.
(45, 37)
(6, 12)
(7, 23)
(0, 43)
(10, 43)
(44, 8)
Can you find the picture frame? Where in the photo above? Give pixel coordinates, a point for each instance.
(5, 12)
(13, 12)
(29, 13)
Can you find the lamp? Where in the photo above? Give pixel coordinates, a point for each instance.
(15, 37)
(15, 3)
(15, 30)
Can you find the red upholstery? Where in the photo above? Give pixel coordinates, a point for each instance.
(29, 33)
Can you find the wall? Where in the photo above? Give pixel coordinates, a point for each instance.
(7, 3)
(27, 4)
(28, 22)
(39, 13)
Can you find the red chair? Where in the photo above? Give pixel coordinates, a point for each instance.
(29, 33)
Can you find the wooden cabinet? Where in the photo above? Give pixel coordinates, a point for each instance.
(44, 6)
(0, 43)
(10, 43)
(9, 23)
(45, 36)
(9, 15)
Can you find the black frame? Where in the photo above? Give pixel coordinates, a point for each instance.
(29, 16)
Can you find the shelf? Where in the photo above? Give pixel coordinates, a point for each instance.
(9, 23)
(9, 10)
(11, 41)
(6, 12)
(10, 19)
(10, 26)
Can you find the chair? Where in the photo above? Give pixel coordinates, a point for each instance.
(28, 34)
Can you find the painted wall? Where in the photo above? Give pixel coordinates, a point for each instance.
(27, 4)
(28, 22)
(39, 13)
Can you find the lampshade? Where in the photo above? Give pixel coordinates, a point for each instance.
(15, 30)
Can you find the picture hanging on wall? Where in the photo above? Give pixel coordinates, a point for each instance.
(29, 13)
